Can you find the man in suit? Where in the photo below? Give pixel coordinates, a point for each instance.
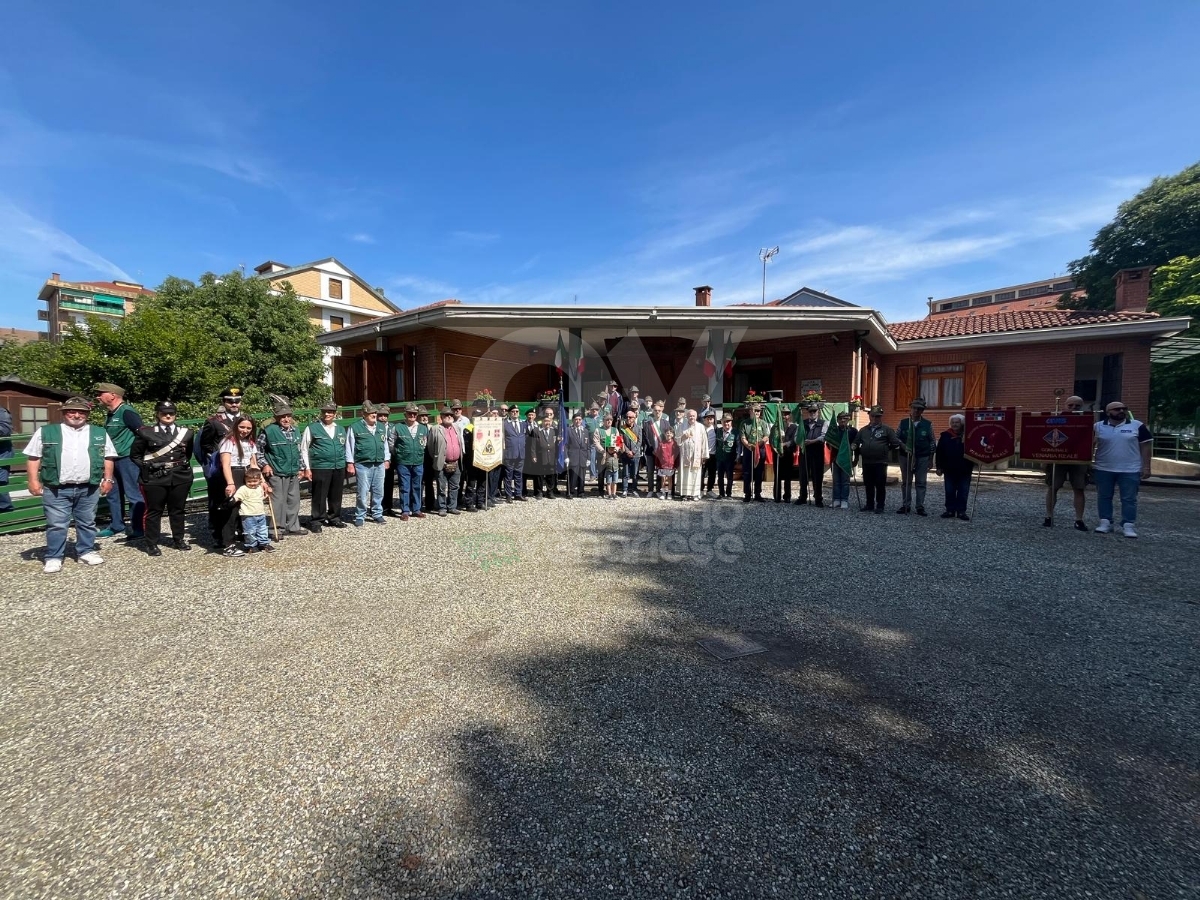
(578, 445)
(652, 431)
(544, 456)
(787, 457)
(513, 478)
(812, 467)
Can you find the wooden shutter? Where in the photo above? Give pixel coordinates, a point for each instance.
(975, 387)
(347, 381)
(906, 386)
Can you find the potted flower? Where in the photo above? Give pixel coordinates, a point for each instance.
(856, 403)
(551, 396)
(813, 397)
(485, 397)
(754, 397)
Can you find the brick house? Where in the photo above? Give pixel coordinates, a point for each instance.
(72, 302)
(818, 342)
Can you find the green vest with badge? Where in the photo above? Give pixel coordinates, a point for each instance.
(370, 447)
(325, 452)
(409, 448)
(282, 450)
(118, 431)
(52, 445)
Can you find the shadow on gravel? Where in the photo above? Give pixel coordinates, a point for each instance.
(894, 740)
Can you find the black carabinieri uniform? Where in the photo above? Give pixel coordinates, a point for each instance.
(163, 455)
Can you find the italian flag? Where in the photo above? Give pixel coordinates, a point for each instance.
(560, 355)
(711, 364)
(730, 358)
(577, 354)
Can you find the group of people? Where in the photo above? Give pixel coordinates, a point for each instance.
(253, 475)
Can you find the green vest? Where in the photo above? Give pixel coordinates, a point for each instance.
(410, 451)
(283, 450)
(52, 453)
(325, 452)
(120, 435)
(369, 447)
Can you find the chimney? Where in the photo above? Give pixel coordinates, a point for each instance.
(54, 276)
(704, 296)
(1133, 289)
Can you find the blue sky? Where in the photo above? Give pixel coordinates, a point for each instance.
(527, 152)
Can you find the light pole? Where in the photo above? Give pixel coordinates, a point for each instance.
(764, 254)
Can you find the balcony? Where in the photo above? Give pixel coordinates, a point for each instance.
(99, 309)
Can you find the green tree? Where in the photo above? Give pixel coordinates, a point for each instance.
(268, 344)
(33, 361)
(1160, 223)
(1175, 388)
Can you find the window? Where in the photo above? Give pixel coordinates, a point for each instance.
(1034, 291)
(1063, 286)
(1006, 295)
(336, 323)
(980, 301)
(957, 304)
(942, 386)
(33, 418)
(335, 289)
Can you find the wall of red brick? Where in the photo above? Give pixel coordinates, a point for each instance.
(450, 364)
(1026, 375)
(811, 357)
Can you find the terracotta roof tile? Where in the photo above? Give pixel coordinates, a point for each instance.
(113, 286)
(1026, 320)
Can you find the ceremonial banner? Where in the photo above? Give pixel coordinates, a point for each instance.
(1056, 437)
(990, 434)
(489, 443)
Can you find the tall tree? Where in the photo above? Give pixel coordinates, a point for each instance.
(1159, 224)
(1175, 388)
(268, 343)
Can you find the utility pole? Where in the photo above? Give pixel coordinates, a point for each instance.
(765, 254)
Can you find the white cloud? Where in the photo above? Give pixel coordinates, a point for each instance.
(30, 245)
(417, 289)
(361, 237)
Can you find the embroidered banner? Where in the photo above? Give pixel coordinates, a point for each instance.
(990, 436)
(489, 443)
(1056, 437)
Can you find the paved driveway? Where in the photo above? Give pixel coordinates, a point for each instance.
(513, 704)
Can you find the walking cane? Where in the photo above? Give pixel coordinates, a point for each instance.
(271, 510)
(857, 497)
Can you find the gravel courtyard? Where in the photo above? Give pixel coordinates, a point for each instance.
(513, 704)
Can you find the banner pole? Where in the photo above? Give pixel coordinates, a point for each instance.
(975, 502)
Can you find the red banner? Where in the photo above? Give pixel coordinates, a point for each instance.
(1056, 437)
(990, 434)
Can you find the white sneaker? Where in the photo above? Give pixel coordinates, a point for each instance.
(51, 566)
(1104, 527)
(1130, 531)
(845, 504)
(91, 559)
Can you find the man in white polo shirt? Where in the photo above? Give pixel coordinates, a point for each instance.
(1122, 449)
(70, 467)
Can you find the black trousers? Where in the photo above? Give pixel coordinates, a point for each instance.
(231, 522)
(169, 493)
(575, 480)
(875, 483)
(216, 501)
(389, 486)
(546, 485)
(725, 475)
(430, 495)
(812, 472)
(785, 474)
(751, 472)
(327, 486)
(710, 474)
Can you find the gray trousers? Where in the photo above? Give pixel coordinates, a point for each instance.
(285, 502)
(914, 469)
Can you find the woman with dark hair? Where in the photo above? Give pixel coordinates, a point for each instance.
(238, 452)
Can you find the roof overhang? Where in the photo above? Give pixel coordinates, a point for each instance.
(753, 323)
(1173, 349)
(1145, 328)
